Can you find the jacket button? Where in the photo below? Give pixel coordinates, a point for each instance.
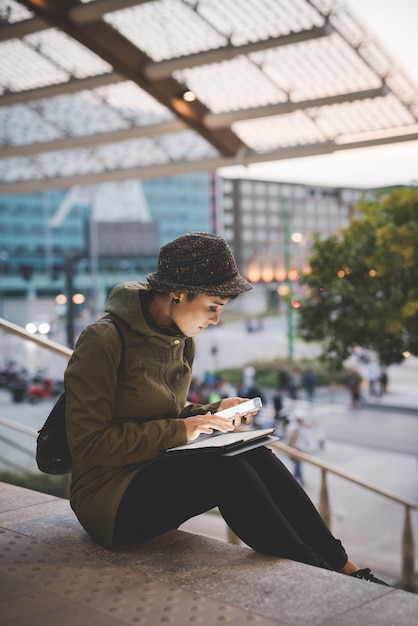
(176, 342)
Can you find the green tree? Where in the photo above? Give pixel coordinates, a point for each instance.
(363, 285)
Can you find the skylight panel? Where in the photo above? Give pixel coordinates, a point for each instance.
(134, 103)
(24, 68)
(13, 12)
(82, 114)
(279, 131)
(166, 29)
(233, 85)
(77, 60)
(21, 125)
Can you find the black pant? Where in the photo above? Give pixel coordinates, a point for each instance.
(257, 496)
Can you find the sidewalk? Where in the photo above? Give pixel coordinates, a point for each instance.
(402, 388)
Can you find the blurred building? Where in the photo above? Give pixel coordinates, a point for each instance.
(262, 218)
(110, 232)
(113, 232)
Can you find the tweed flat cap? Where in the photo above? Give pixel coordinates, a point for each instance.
(198, 262)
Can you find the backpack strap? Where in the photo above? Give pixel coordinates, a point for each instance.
(122, 342)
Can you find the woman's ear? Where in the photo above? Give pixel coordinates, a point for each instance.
(175, 298)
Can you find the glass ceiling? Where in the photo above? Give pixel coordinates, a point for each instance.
(92, 91)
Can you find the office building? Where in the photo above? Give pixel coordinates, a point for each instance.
(39, 232)
(266, 221)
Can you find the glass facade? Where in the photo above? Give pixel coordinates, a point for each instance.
(181, 204)
(38, 231)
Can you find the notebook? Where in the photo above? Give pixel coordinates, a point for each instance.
(227, 444)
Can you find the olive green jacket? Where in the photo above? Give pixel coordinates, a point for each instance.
(117, 423)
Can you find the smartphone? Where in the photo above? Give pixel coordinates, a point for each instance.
(249, 406)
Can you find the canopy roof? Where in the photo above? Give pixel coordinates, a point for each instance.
(92, 91)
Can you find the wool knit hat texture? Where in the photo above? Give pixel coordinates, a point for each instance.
(198, 262)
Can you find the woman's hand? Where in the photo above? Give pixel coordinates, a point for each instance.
(206, 424)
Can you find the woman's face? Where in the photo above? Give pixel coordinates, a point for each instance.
(193, 316)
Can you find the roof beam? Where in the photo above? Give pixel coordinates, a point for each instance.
(207, 165)
(17, 30)
(85, 13)
(221, 120)
(88, 141)
(129, 61)
(50, 91)
(212, 121)
(162, 69)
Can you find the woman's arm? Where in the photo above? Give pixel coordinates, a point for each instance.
(95, 436)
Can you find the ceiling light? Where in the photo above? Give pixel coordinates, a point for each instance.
(188, 95)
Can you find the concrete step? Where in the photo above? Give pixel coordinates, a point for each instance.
(51, 571)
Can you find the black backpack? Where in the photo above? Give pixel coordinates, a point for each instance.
(52, 451)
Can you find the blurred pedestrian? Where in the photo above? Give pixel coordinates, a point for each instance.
(248, 378)
(214, 353)
(352, 381)
(309, 383)
(282, 379)
(280, 417)
(383, 381)
(294, 383)
(193, 395)
(373, 375)
(297, 437)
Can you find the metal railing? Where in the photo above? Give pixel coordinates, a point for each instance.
(408, 581)
(408, 556)
(52, 346)
(408, 547)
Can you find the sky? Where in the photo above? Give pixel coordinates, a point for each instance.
(394, 24)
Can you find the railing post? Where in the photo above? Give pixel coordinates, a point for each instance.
(70, 262)
(324, 507)
(408, 568)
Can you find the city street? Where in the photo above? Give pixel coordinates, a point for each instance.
(389, 423)
(395, 431)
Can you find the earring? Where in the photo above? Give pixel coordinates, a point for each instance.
(175, 301)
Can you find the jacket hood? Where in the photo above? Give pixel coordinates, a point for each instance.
(124, 303)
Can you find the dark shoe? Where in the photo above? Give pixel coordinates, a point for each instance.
(365, 574)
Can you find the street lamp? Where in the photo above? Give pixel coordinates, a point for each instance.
(291, 273)
(287, 259)
(297, 237)
(4, 255)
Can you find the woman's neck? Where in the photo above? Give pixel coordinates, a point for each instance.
(158, 310)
